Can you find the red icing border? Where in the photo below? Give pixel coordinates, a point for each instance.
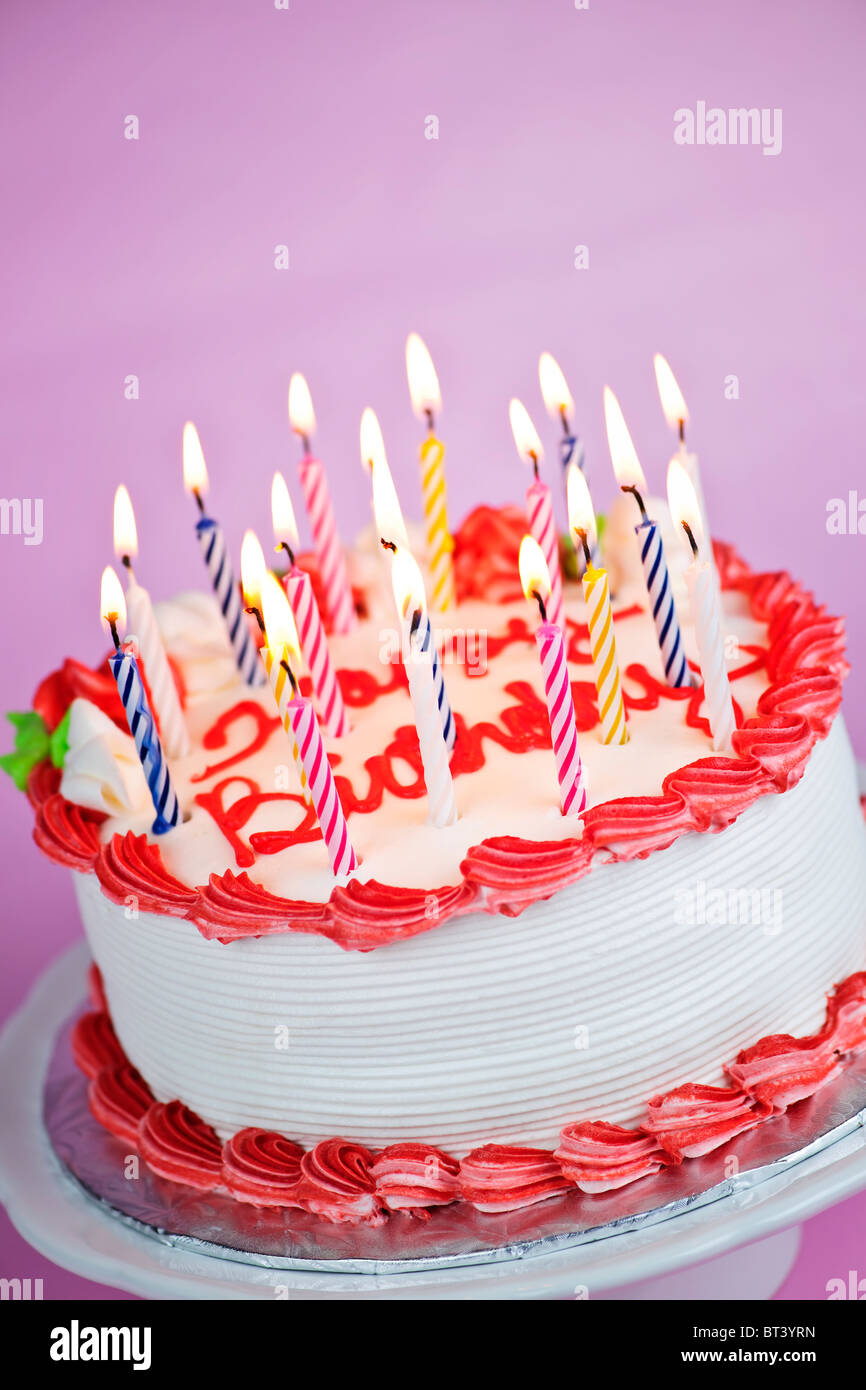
(806, 666)
(344, 1182)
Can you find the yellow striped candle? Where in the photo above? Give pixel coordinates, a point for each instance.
(426, 400)
(596, 593)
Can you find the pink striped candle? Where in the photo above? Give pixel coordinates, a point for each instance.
(557, 686)
(323, 788)
(539, 507)
(317, 498)
(299, 589)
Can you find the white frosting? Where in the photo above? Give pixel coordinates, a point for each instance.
(474, 1031)
(101, 769)
(394, 843)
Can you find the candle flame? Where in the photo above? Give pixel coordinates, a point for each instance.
(534, 574)
(683, 500)
(423, 381)
(125, 534)
(558, 399)
(390, 525)
(408, 584)
(372, 443)
(581, 513)
(194, 467)
(253, 569)
(301, 416)
(281, 634)
(525, 434)
(623, 455)
(112, 604)
(673, 403)
(283, 513)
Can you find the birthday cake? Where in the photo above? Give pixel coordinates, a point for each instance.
(495, 1010)
(542, 889)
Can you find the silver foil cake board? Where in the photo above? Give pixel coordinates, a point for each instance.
(216, 1225)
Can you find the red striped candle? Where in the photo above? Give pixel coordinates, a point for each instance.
(317, 497)
(323, 788)
(557, 686)
(539, 507)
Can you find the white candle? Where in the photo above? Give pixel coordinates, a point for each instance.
(142, 623)
(704, 597)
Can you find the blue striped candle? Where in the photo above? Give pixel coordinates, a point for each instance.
(219, 566)
(661, 599)
(142, 726)
(426, 643)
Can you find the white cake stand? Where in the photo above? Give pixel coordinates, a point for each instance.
(55, 1216)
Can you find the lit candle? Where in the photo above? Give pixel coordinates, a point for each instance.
(629, 475)
(559, 404)
(302, 726)
(703, 594)
(427, 402)
(596, 593)
(255, 578)
(299, 588)
(219, 565)
(317, 497)
(392, 534)
(535, 579)
(141, 620)
(139, 716)
(409, 597)
(677, 416)
(539, 505)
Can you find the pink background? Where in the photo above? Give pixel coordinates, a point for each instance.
(260, 127)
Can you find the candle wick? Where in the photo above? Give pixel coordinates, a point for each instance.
(691, 535)
(126, 561)
(431, 423)
(388, 545)
(566, 428)
(416, 621)
(682, 430)
(111, 619)
(534, 458)
(257, 614)
(284, 545)
(290, 673)
(542, 606)
(630, 487)
(305, 441)
(198, 497)
(584, 542)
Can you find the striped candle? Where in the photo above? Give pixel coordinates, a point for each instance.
(282, 687)
(332, 562)
(563, 725)
(166, 701)
(139, 716)
(539, 512)
(335, 831)
(611, 710)
(219, 567)
(426, 403)
(661, 600)
(704, 596)
(427, 642)
(440, 545)
(314, 646)
(442, 808)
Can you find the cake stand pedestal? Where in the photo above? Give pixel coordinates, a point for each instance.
(54, 1215)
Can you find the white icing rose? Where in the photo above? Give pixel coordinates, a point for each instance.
(101, 769)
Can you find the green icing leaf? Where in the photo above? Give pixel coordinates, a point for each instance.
(32, 744)
(58, 743)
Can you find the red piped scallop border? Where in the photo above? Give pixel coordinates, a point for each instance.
(806, 667)
(342, 1181)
